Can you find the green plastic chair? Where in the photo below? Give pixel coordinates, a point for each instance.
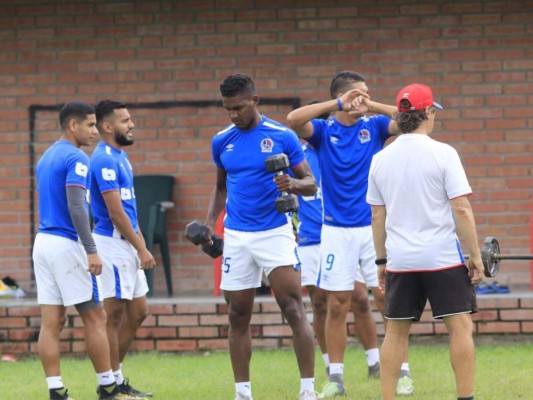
(154, 197)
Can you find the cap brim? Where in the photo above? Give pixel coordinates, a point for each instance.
(435, 104)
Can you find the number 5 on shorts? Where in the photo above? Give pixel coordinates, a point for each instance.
(225, 265)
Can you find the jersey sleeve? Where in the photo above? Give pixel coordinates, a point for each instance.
(373, 195)
(382, 123)
(293, 148)
(318, 132)
(105, 172)
(455, 180)
(215, 152)
(77, 170)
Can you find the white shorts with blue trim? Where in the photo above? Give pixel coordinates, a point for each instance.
(122, 277)
(61, 272)
(248, 254)
(347, 255)
(310, 263)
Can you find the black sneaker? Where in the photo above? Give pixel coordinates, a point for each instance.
(59, 394)
(126, 388)
(107, 392)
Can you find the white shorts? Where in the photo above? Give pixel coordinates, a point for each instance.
(248, 254)
(347, 255)
(61, 274)
(310, 263)
(122, 277)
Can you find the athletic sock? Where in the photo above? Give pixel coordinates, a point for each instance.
(307, 384)
(119, 378)
(244, 388)
(336, 369)
(325, 357)
(54, 382)
(106, 378)
(372, 356)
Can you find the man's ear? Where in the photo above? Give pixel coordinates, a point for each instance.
(73, 124)
(106, 127)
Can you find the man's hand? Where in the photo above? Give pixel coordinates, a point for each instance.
(355, 102)
(146, 259)
(476, 270)
(95, 264)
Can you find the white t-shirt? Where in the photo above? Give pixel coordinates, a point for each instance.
(414, 178)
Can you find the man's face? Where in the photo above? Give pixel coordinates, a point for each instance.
(122, 127)
(241, 109)
(85, 131)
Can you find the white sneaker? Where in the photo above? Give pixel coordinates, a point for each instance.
(308, 395)
(240, 396)
(405, 386)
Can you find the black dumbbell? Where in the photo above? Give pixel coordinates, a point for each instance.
(277, 164)
(198, 233)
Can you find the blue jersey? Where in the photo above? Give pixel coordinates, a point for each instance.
(310, 210)
(61, 165)
(251, 191)
(111, 170)
(344, 155)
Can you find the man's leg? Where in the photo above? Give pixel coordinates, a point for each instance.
(285, 282)
(393, 351)
(115, 310)
(462, 352)
(240, 304)
(136, 313)
(319, 301)
(52, 322)
(97, 345)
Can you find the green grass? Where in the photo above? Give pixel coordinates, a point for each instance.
(504, 371)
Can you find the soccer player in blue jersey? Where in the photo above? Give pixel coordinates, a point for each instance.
(65, 259)
(257, 238)
(345, 145)
(117, 235)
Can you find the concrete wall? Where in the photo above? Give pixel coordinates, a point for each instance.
(477, 55)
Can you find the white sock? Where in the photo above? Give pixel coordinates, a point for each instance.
(336, 369)
(244, 388)
(119, 378)
(54, 382)
(307, 384)
(105, 378)
(405, 367)
(372, 356)
(325, 357)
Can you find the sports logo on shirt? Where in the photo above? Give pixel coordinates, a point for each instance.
(334, 139)
(81, 169)
(230, 147)
(267, 145)
(109, 174)
(364, 135)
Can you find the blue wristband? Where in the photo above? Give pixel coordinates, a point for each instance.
(339, 104)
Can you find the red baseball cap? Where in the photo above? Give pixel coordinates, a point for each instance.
(419, 96)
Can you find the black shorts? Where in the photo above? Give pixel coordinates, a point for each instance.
(449, 292)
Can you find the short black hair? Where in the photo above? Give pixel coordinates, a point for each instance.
(106, 107)
(74, 109)
(341, 81)
(237, 84)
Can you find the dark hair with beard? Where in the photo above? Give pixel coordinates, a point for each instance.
(74, 109)
(104, 109)
(409, 121)
(237, 84)
(341, 81)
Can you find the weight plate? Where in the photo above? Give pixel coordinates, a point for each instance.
(490, 249)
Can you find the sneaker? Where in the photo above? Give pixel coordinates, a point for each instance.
(240, 396)
(484, 288)
(373, 371)
(112, 392)
(405, 386)
(332, 389)
(59, 394)
(126, 388)
(5, 291)
(308, 395)
(500, 288)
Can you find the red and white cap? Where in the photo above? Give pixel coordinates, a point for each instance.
(419, 96)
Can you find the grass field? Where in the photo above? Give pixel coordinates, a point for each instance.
(504, 372)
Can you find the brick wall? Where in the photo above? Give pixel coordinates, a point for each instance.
(476, 54)
(201, 324)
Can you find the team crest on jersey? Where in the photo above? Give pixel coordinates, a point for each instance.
(230, 147)
(364, 135)
(267, 145)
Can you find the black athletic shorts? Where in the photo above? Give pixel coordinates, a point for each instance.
(449, 292)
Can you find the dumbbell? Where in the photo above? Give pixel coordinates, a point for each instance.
(198, 233)
(277, 164)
